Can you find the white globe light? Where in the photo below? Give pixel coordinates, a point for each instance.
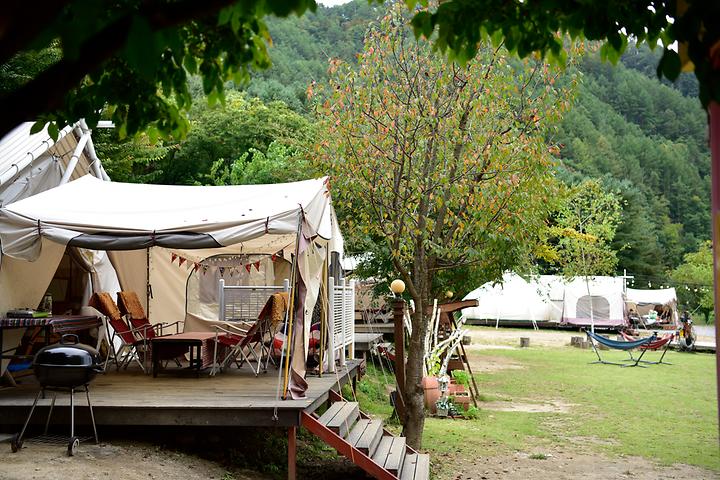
(397, 286)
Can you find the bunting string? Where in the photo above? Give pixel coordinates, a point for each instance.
(219, 265)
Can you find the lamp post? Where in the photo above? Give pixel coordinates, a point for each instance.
(398, 287)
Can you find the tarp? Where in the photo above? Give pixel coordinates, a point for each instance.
(94, 214)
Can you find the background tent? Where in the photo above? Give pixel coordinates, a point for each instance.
(145, 224)
(514, 300)
(603, 294)
(642, 301)
(29, 165)
(548, 299)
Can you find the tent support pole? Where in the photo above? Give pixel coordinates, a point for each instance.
(75, 158)
(291, 315)
(714, 119)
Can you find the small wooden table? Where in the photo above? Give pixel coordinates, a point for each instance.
(199, 344)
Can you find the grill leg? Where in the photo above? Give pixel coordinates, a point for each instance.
(32, 409)
(47, 422)
(92, 415)
(72, 412)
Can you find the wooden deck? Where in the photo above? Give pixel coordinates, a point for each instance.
(233, 398)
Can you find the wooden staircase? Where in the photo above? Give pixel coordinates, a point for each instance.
(366, 443)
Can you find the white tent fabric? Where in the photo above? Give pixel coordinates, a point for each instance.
(658, 297)
(549, 298)
(117, 216)
(29, 165)
(604, 294)
(513, 299)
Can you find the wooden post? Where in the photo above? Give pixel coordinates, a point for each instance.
(524, 342)
(292, 452)
(399, 319)
(714, 115)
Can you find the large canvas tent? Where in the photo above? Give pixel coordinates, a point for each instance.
(143, 226)
(550, 299)
(31, 164)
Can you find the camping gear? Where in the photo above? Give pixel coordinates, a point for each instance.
(663, 342)
(66, 366)
(130, 306)
(201, 345)
(239, 341)
(69, 364)
(618, 345)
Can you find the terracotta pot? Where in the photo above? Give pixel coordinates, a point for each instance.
(456, 388)
(431, 392)
(462, 399)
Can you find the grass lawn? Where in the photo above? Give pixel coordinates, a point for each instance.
(667, 413)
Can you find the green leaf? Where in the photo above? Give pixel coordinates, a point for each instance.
(670, 65)
(37, 126)
(53, 130)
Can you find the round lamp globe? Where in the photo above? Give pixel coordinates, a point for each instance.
(397, 286)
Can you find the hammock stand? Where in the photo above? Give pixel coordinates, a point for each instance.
(663, 342)
(618, 345)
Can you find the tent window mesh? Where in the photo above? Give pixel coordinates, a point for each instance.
(600, 307)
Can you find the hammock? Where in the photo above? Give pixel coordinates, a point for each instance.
(619, 345)
(663, 342)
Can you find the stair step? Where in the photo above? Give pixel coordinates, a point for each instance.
(331, 412)
(396, 456)
(416, 467)
(343, 419)
(370, 438)
(357, 431)
(382, 450)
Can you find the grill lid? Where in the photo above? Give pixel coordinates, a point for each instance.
(68, 353)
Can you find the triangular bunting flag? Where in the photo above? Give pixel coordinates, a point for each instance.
(196, 267)
(257, 265)
(204, 269)
(248, 267)
(173, 256)
(181, 261)
(222, 271)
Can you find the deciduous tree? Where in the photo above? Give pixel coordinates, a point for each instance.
(437, 166)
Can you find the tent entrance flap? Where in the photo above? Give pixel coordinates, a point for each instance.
(110, 241)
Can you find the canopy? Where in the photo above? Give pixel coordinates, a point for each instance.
(658, 297)
(101, 215)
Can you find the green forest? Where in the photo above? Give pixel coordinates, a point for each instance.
(639, 142)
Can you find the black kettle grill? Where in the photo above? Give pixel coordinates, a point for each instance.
(65, 366)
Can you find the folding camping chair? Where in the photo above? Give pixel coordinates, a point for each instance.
(131, 347)
(663, 342)
(242, 344)
(618, 345)
(130, 306)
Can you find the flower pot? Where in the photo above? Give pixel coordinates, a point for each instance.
(430, 392)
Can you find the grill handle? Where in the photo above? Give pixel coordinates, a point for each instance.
(69, 335)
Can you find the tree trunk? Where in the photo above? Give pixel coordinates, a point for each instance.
(414, 421)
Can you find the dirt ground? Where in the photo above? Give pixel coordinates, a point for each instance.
(121, 460)
(565, 465)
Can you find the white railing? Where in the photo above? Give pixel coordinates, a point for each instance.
(243, 303)
(342, 319)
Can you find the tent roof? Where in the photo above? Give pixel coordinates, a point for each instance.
(660, 296)
(120, 216)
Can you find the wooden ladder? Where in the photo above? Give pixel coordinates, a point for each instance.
(366, 443)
